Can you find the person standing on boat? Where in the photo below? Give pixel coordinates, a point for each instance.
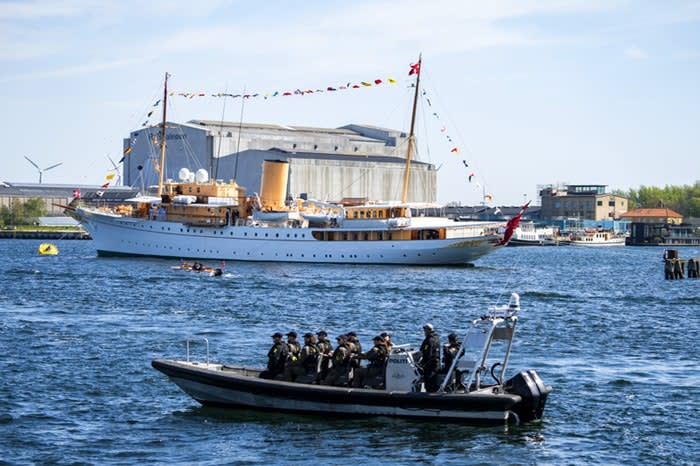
(325, 351)
(337, 375)
(276, 357)
(377, 362)
(430, 358)
(306, 362)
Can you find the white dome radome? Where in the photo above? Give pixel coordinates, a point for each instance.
(184, 174)
(202, 176)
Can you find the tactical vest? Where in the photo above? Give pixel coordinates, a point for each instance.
(341, 356)
(294, 349)
(311, 358)
(380, 360)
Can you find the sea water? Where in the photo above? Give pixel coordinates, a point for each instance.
(617, 342)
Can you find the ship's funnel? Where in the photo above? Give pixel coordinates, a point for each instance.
(273, 186)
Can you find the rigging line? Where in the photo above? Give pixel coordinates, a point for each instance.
(454, 128)
(221, 130)
(238, 142)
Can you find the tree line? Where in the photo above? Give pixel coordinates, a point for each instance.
(683, 199)
(22, 212)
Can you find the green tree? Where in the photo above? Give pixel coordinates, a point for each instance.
(22, 213)
(33, 209)
(683, 199)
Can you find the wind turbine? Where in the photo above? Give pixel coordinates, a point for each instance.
(41, 172)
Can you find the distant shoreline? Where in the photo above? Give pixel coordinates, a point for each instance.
(73, 233)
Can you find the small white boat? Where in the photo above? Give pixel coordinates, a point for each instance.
(527, 234)
(473, 389)
(598, 238)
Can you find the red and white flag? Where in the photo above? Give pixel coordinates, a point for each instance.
(512, 225)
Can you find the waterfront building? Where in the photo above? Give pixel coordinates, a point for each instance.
(660, 227)
(324, 163)
(581, 202)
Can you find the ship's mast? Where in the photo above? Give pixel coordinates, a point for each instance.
(411, 136)
(162, 137)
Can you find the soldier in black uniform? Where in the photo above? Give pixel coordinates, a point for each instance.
(377, 360)
(306, 362)
(341, 362)
(430, 358)
(355, 348)
(325, 351)
(276, 357)
(449, 350)
(293, 350)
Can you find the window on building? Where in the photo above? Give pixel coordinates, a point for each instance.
(611, 203)
(600, 203)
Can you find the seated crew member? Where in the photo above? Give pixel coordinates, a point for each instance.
(449, 350)
(307, 361)
(341, 363)
(377, 361)
(325, 352)
(276, 357)
(293, 351)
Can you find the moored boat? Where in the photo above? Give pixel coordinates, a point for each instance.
(208, 219)
(597, 238)
(528, 234)
(472, 389)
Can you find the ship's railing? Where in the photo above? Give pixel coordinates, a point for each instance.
(472, 355)
(187, 345)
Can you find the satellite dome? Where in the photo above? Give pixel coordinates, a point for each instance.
(184, 174)
(202, 176)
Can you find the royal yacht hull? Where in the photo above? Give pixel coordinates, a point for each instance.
(122, 235)
(236, 387)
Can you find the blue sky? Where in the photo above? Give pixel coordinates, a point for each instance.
(532, 92)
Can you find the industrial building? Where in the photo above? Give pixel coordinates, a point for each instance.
(584, 202)
(353, 161)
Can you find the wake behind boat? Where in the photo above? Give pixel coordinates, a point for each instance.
(207, 219)
(472, 389)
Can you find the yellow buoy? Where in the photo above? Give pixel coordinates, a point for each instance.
(48, 249)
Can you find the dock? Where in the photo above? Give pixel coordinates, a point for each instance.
(38, 234)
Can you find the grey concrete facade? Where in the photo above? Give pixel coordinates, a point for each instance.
(326, 164)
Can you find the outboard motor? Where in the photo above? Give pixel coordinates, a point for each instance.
(533, 392)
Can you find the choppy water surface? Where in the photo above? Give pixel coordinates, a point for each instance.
(618, 343)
